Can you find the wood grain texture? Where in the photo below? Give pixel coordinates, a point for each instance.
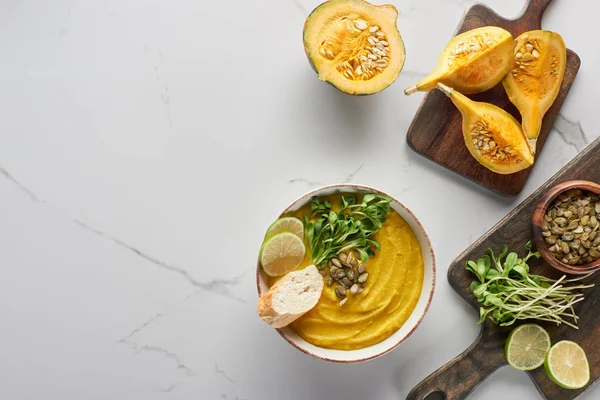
(436, 130)
(460, 376)
(538, 216)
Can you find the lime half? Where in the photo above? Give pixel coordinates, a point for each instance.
(286, 224)
(567, 365)
(282, 253)
(527, 346)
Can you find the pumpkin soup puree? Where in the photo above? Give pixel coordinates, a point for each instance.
(391, 293)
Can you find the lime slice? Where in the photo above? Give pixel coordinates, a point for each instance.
(287, 224)
(567, 365)
(527, 346)
(282, 253)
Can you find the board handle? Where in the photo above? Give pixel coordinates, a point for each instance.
(461, 376)
(533, 12)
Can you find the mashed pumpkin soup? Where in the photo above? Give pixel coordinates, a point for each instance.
(384, 294)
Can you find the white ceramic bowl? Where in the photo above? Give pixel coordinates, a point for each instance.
(379, 349)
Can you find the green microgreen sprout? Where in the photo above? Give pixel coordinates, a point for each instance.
(330, 233)
(508, 292)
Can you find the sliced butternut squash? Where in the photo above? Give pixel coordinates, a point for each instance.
(491, 134)
(472, 62)
(540, 59)
(354, 45)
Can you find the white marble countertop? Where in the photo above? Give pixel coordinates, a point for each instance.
(146, 146)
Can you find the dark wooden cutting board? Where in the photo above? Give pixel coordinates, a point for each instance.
(460, 376)
(436, 130)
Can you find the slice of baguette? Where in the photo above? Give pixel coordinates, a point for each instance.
(291, 297)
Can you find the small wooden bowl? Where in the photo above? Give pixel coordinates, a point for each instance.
(538, 215)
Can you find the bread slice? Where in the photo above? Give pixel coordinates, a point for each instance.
(291, 297)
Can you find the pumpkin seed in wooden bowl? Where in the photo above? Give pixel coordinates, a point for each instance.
(566, 227)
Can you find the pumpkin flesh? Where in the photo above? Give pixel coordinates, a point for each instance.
(535, 79)
(492, 136)
(471, 62)
(354, 45)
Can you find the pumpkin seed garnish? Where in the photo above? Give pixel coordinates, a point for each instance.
(340, 291)
(350, 274)
(346, 282)
(349, 280)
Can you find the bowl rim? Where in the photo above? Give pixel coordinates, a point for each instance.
(538, 214)
(433, 270)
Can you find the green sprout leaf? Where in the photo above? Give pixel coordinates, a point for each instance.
(330, 232)
(483, 314)
(509, 293)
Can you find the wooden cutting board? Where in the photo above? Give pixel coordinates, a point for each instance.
(436, 130)
(460, 376)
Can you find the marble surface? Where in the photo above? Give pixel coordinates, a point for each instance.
(146, 146)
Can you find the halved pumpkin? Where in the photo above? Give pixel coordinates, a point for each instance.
(540, 59)
(491, 134)
(354, 45)
(471, 62)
